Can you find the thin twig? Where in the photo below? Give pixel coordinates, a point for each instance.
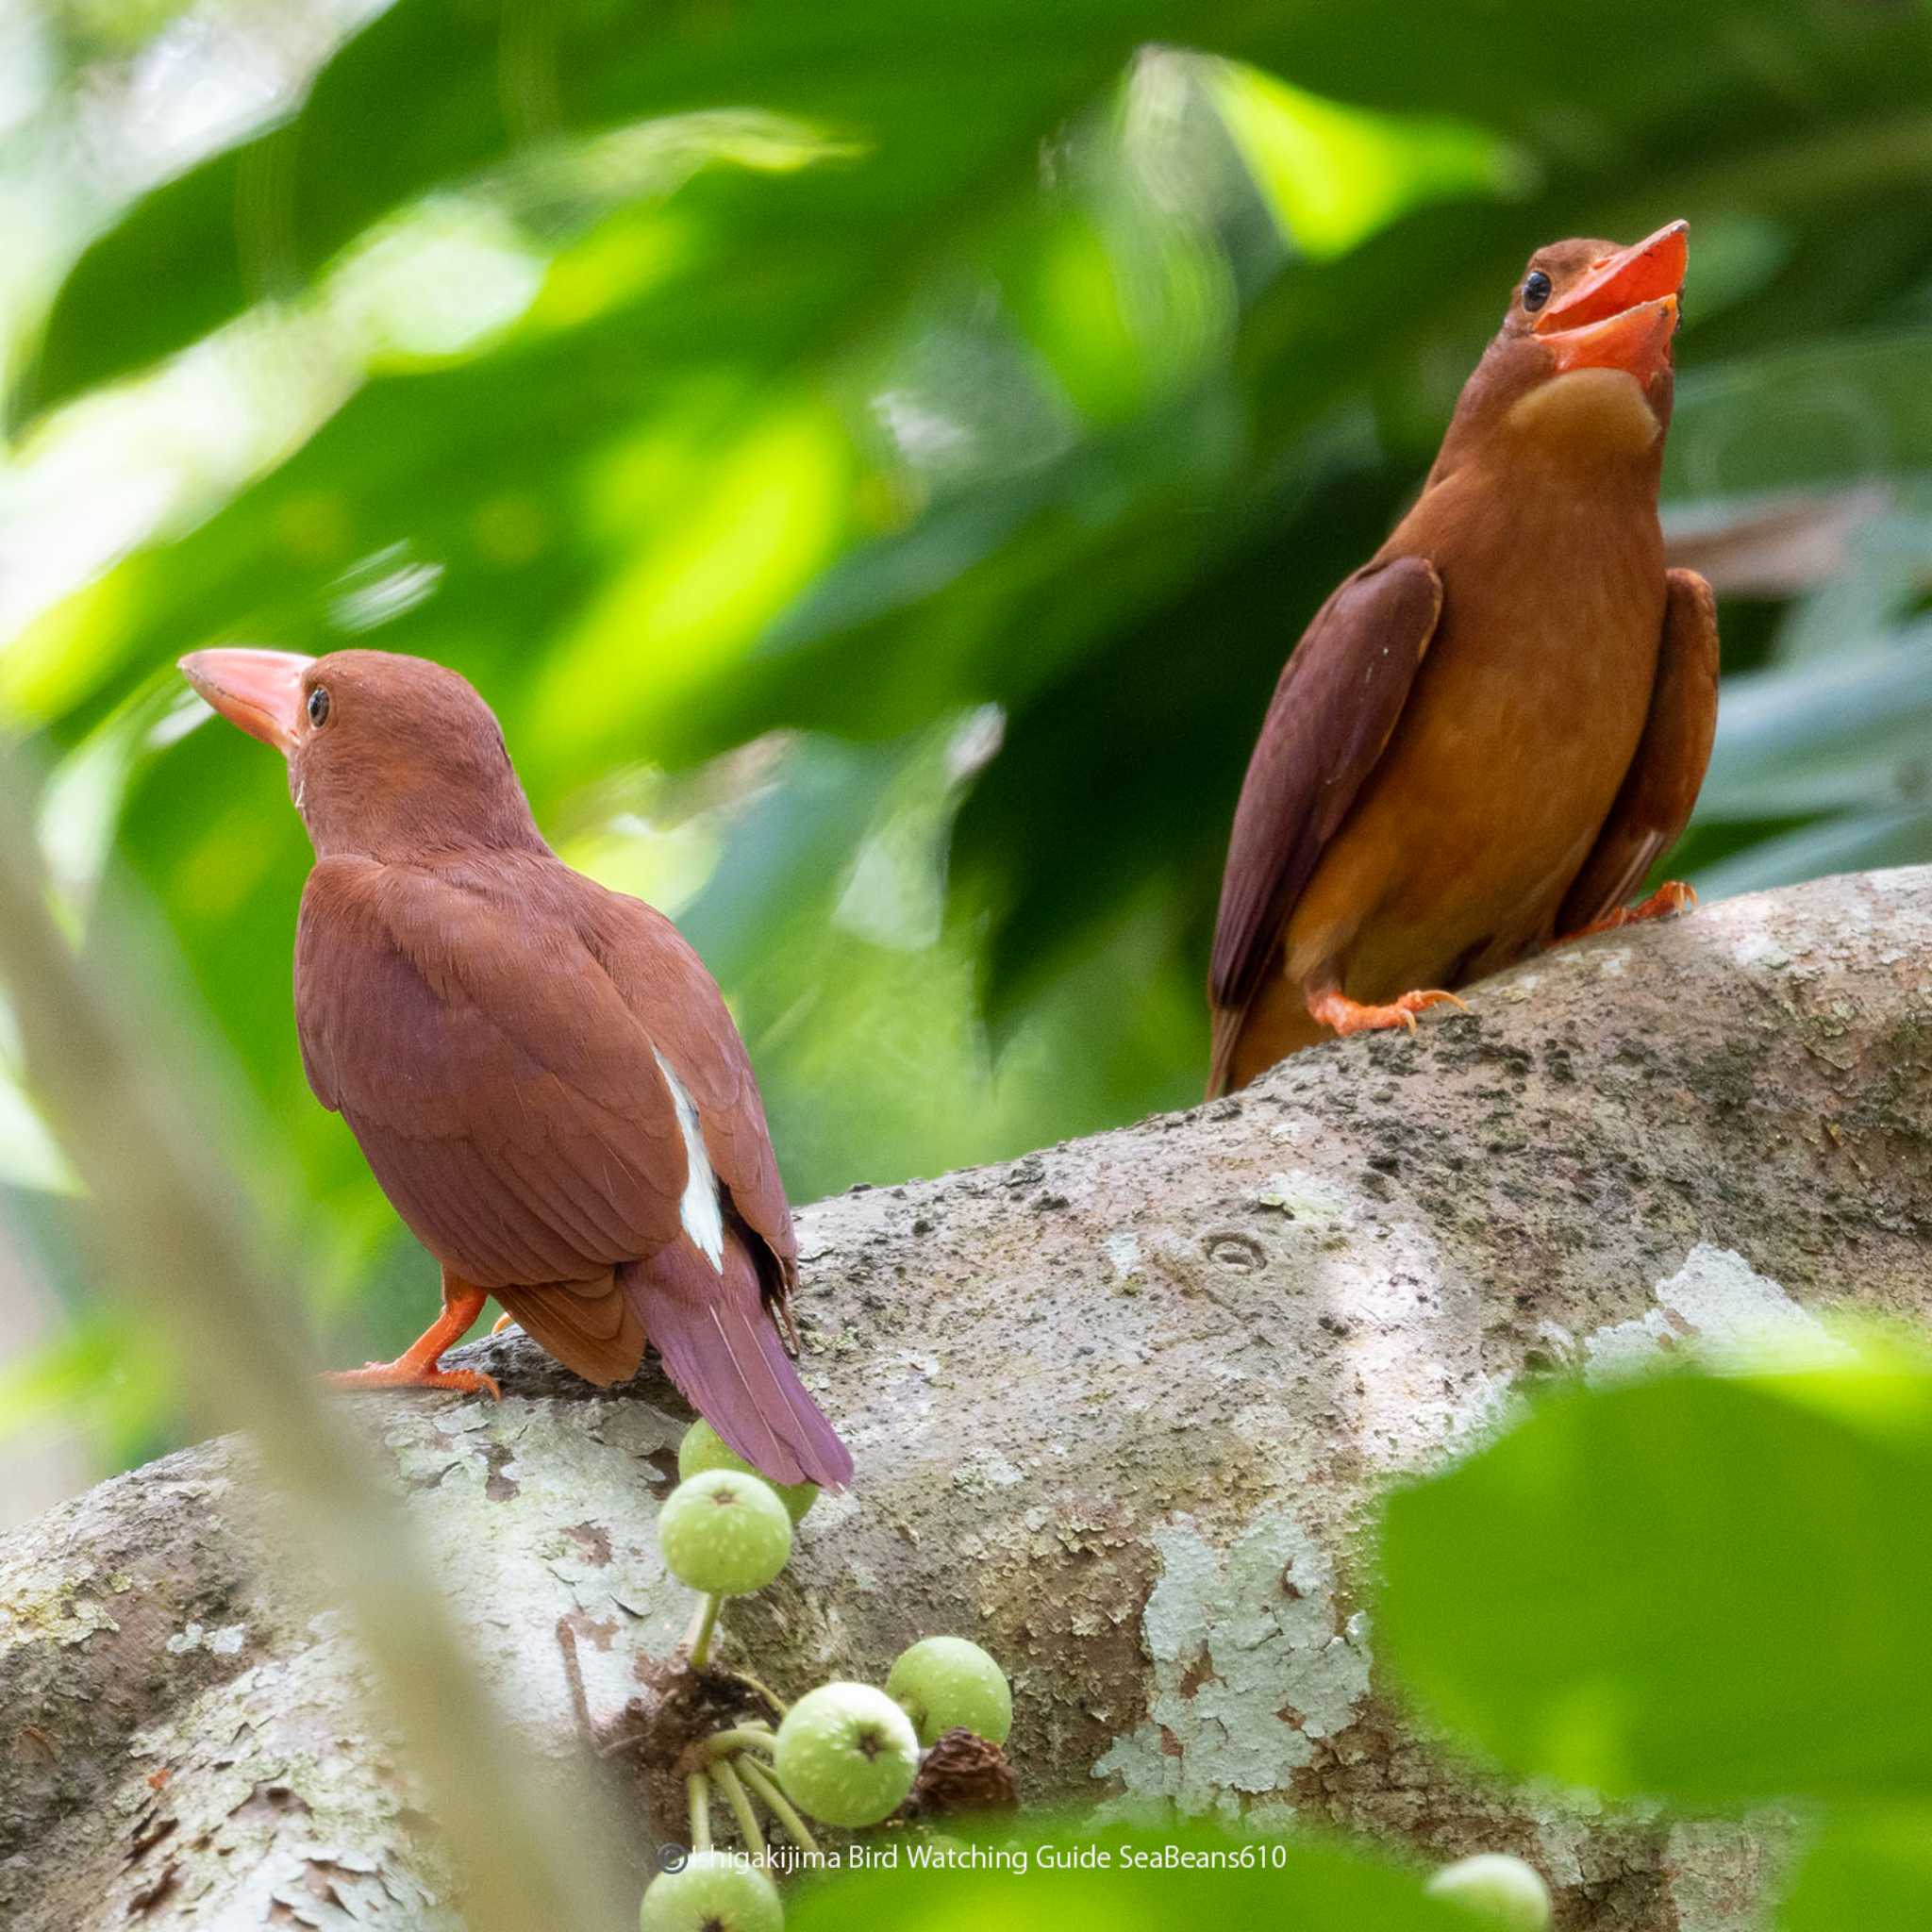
(574, 1675)
(608, 1739)
(615, 1740)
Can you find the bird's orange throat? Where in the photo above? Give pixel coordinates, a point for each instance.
(1602, 411)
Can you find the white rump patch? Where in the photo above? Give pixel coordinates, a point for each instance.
(700, 1210)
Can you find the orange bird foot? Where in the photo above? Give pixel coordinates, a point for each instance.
(404, 1373)
(420, 1365)
(1349, 1016)
(1672, 897)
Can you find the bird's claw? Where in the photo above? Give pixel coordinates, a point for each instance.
(1347, 1016)
(1672, 897)
(404, 1374)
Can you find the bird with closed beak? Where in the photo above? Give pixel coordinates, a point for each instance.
(1492, 730)
(541, 1075)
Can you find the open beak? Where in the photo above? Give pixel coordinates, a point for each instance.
(259, 691)
(1622, 312)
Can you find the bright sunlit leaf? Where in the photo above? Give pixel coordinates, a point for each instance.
(763, 516)
(1334, 174)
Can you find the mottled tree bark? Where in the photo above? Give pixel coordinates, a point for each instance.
(1122, 1412)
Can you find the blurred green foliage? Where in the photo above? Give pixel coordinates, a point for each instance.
(875, 460)
(1707, 1591)
(1696, 1589)
(1871, 1868)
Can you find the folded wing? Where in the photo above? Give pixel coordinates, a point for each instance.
(1333, 713)
(1654, 805)
(511, 1046)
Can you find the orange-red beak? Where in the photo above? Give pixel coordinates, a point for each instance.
(1622, 312)
(259, 691)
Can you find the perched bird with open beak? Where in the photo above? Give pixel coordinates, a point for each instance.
(1493, 728)
(540, 1072)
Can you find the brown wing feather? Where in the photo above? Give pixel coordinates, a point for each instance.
(496, 1032)
(1332, 715)
(665, 983)
(500, 1087)
(1661, 786)
(711, 1321)
(593, 1327)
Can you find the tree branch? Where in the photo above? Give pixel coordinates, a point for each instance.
(1121, 1410)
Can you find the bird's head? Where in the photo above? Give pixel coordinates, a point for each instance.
(1581, 366)
(392, 757)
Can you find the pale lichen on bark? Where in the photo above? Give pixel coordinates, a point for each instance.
(1122, 1412)
(1253, 1664)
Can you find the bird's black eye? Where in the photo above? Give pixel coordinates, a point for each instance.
(1535, 290)
(318, 707)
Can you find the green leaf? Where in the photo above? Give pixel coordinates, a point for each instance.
(1335, 176)
(1865, 1873)
(1712, 1591)
(1119, 818)
(1858, 842)
(441, 92)
(1826, 735)
(1125, 1881)
(60, 1377)
(785, 849)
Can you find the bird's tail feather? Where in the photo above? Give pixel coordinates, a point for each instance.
(1228, 1022)
(1249, 1039)
(722, 1348)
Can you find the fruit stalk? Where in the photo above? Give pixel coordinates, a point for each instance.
(701, 1629)
(740, 1737)
(697, 1791)
(729, 1783)
(779, 1806)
